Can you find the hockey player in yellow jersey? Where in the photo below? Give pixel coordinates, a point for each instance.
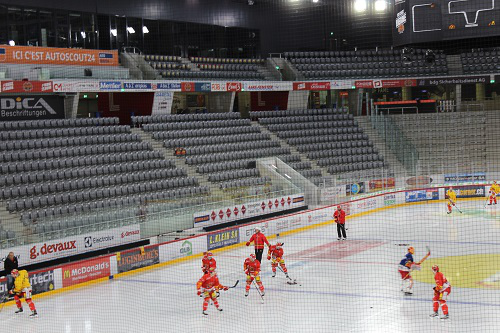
(494, 190)
(22, 288)
(452, 199)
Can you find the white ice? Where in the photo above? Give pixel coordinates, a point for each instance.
(339, 291)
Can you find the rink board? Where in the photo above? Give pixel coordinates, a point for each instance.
(79, 274)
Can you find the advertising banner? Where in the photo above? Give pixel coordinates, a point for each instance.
(31, 107)
(203, 86)
(85, 271)
(218, 86)
(367, 204)
(130, 260)
(57, 56)
(268, 86)
(183, 248)
(247, 210)
(137, 86)
(27, 86)
(174, 86)
(368, 84)
(188, 86)
(353, 189)
(381, 184)
(222, 239)
(454, 80)
(419, 181)
(465, 177)
(312, 85)
(332, 193)
(41, 282)
(422, 195)
(75, 86)
(469, 192)
(234, 86)
(64, 247)
(390, 199)
(110, 85)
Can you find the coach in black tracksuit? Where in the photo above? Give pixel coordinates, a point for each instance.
(9, 265)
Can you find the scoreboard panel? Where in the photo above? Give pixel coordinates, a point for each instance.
(417, 21)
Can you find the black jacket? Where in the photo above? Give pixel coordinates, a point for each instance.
(9, 265)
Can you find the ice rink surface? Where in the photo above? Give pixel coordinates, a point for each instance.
(350, 286)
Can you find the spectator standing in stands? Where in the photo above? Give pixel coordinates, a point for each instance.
(258, 239)
(9, 265)
(339, 217)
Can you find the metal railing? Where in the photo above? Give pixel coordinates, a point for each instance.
(155, 217)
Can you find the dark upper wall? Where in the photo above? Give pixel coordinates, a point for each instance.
(285, 25)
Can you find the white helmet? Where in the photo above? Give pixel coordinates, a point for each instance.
(257, 229)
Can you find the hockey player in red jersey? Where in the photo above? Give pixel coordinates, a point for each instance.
(208, 286)
(441, 292)
(252, 270)
(208, 263)
(275, 254)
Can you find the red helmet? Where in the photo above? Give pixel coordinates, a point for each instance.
(14, 273)
(252, 256)
(435, 268)
(411, 249)
(279, 244)
(209, 255)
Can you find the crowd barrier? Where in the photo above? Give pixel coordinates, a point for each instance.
(115, 265)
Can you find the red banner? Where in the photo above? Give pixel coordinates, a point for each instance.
(234, 86)
(188, 86)
(311, 86)
(379, 184)
(85, 271)
(26, 86)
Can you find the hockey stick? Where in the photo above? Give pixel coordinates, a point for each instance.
(237, 281)
(486, 203)
(2, 301)
(426, 256)
(290, 280)
(258, 290)
(455, 205)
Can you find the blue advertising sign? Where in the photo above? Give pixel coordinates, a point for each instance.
(353, 189)
(137, 86)
(203, 86)
(222, 239)
(169, 86)
(421, 195)
(465, 177)
(110, 85)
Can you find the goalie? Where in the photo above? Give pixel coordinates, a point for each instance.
(406, 266)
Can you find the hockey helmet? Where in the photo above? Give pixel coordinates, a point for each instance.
(14, 273)
(411, 249)
(253, 257)
(435, 268)
(257, 229)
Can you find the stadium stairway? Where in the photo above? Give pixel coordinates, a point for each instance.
(396, 167)
(492, 139)
(191, 170)
(293, 150)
